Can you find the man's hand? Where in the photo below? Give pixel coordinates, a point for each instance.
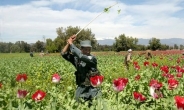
(71, 39)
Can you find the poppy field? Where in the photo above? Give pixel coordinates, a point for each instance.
(48, 82)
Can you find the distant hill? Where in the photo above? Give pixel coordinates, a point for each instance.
(170, 41)
(106, 41)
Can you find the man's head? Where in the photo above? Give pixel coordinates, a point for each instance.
(85, 47)
(129, 50)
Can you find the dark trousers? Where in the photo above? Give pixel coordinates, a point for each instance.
(87, 93)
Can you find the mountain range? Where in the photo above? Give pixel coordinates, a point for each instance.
(170, 41)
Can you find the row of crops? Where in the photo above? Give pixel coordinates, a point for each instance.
(26, 83)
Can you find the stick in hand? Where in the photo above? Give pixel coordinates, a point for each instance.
(105, 10)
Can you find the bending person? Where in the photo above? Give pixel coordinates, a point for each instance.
(147, 53)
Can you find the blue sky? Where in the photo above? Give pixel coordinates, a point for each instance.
(31, 20)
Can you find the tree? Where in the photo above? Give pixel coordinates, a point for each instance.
(38, 46)
(104, 48)
(24, 47)
(61, 35)
(154, 44)
(181, 47)
(176, 46)
(57, 43)
(164, 47)
(7, 48)
(15, 48)
(171, 47)
(2, 47)
(123, 43)
(50, 46)
(141, 47)
(64, 34)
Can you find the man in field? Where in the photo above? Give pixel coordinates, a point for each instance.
(128, 58)
(86, 66)
(31, 54)
(147, 54)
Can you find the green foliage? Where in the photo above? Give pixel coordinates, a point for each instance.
(123, 43)
(15, 48)
(61, 96)
(39, 46)
(119, 11)
(106, 9)
(64, 34)
(176, 46)
(51, 46)
(154, 44)
(164, 47)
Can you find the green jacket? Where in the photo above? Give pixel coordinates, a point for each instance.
(86, 66)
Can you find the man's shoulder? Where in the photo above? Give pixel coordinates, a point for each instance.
(126, 55)
(93, 56)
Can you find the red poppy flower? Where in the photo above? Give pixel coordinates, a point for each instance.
(1, 85)
(155, 93)
(179, 69)
(155, 89)
(154, 83)
(97, 80)
(135, 63)
(21, 77)
(146, 63)
(154, 64)
(165, 69)
(168, 75)
(137, 67)
(21, 93)
(179, 75)
(173, 83)
(56, 78)
(38, 95)
(179, 100)
(164, 74)
(138, 96)
(137, 77)
(119, 84)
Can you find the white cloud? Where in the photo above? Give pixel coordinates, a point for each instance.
(31, 21)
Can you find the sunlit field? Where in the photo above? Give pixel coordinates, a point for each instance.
(154, 84)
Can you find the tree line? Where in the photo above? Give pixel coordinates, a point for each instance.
(122, 43)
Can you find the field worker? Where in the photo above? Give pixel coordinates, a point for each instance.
(86, 66)
(42, 53)
(128, 58)
(31, 54)
(147, 53)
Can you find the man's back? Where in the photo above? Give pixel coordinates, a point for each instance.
(148, 54)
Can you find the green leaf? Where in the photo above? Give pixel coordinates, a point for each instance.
(119, 11)
(106, 9)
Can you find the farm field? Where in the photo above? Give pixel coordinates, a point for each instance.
(155, 84)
